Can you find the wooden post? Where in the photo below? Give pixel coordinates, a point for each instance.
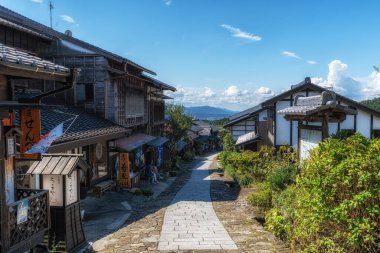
(4, 208)
(325, 126)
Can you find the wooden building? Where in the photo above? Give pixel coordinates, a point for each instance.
(25, 212)
(274, 129)
(109, 85)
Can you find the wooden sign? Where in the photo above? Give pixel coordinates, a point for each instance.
(71, 188)
(30, 123)
(124, 171)
(54, 184)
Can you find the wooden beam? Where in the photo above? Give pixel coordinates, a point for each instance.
(43, 75)
(371, 127)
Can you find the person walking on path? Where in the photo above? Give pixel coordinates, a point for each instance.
(190, 222)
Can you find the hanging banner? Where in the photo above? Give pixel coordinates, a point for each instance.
(124, 171)
(31, 132)
(43, 145)
(160, 155)
(9, 181)
(139, 157)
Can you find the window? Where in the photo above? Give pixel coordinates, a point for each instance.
(85, 92)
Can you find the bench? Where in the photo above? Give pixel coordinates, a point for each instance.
(103, 186)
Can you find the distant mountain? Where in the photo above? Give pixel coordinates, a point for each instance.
(208, 112)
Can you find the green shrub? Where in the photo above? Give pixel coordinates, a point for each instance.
(262, 198)
(188, 155)
(277, 224)
(334, 205)
(283, 176)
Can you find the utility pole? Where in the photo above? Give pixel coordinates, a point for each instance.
(51, 12)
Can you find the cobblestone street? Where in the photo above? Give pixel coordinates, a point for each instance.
(182, 219)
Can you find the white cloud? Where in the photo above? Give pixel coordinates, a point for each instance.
(357, 88)
(290, 54)
(208, 93)
(311, 62)
(38, 1)
(232, 91)
(236, 32)
(264, 91)
(232, 97)
(67, 19)
(168, 2)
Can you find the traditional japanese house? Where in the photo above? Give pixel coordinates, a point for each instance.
(273, 129)
(207, 135)
(25, 213)
(156, 98)
(321, 109)
(109, 86)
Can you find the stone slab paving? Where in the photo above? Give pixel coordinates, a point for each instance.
(190, 222)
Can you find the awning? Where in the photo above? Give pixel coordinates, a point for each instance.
(57, 164)
(158, 141)
(247, 138)
(133, 141)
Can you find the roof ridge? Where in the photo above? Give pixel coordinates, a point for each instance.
(45, 29)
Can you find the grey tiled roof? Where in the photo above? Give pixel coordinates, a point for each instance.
(47, 31)
(85, 126)
(246, 138)
(246, 112)
(10, 55)
(314, 104)
(22, 28)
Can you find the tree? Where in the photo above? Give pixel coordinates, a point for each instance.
(178, 122)
(228, 142)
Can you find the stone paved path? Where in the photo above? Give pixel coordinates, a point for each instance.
(190, 222)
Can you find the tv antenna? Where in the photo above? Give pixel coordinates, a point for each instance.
(51, 7)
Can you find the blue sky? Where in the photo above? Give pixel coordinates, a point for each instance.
(231, 53)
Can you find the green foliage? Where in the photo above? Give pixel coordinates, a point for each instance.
(372, 103)
(228, 143)
(218, 122)
(248, 166)
(178, 122)
(143, 191)
(262, 198)
(343, 134)
(334, 204)
(281, 177)
(277, 223)
(188, 155)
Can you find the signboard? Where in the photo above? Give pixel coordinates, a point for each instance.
(22, 212)
(309, 140)
(71, 188)
(9, 181)
(54, 184)
(124, 170)
(31, 132)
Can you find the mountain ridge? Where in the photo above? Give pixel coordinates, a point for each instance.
(208, 112)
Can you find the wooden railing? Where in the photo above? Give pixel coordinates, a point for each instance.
(27, 234)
